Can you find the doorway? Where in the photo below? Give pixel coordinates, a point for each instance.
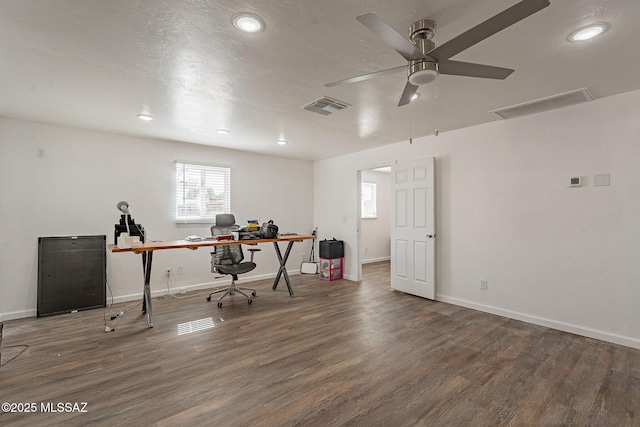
(374, 216)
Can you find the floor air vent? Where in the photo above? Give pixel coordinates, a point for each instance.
(325, 106)
(544, 104)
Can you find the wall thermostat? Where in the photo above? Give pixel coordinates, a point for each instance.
(575, 181)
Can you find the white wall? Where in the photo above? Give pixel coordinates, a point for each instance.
(563, 257)
(375, 244)
(74, 190)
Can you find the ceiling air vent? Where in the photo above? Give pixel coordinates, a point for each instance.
(544, 104)
(325, 106)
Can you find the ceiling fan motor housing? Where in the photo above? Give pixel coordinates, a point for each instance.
(420, 34)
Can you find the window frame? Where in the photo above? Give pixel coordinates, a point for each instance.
(210, 174)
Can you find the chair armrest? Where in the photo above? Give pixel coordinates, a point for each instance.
(214, 267)
(253, 251)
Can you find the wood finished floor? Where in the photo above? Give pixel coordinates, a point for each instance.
(339, 353)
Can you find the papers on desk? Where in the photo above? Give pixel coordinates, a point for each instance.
(198, 238)
(236, 235)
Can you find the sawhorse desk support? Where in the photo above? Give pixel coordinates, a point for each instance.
(282, 271)
(147, 249)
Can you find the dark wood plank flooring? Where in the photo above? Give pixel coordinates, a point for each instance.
(339, 353)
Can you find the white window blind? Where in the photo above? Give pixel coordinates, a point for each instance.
(369, 200)
(202, 191)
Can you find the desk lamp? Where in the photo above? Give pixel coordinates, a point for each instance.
(124, 208)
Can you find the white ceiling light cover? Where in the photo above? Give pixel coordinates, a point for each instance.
(248, 23)
(544, 104)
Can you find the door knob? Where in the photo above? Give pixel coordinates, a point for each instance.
(431, 236)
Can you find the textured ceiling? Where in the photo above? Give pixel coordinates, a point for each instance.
(95, 64)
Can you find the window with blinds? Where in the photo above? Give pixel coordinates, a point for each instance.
(202, 191)
(368, 200)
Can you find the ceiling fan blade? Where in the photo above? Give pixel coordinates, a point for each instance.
(368, 76)
(407, 93)
(488, 28)
(470, 69)
(390, 36)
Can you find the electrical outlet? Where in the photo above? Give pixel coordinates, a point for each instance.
(484, 284)
(180, 269)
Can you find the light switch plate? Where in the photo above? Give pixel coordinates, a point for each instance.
(601, 180)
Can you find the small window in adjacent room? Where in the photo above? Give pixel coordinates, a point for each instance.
(202, 192)
(368, 200)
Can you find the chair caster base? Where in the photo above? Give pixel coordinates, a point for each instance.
(232, 291)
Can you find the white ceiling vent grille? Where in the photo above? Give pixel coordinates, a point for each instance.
(544, 104)
(325, 106)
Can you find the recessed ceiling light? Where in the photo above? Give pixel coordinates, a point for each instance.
(222, 131)
(145, 117)
(282, 142)
(248, 23)
(588, 32)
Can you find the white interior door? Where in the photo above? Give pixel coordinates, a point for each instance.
(413, 228)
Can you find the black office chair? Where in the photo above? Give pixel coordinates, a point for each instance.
(228, 259)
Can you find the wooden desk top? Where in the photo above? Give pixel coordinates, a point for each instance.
(178, 244)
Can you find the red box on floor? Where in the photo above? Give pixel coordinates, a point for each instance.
(331, 268)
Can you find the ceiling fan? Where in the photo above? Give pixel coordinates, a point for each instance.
(426, 60)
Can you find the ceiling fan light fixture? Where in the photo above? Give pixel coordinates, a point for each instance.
(423, 77)
(422, 72)
(588, 32)
(248, 23)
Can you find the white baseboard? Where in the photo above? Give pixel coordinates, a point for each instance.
(18, 315)
(549, 323)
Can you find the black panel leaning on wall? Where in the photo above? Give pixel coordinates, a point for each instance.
(71, 274)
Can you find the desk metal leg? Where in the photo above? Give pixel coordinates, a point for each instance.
(144, 275)
(147, 257)
(283, 270)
